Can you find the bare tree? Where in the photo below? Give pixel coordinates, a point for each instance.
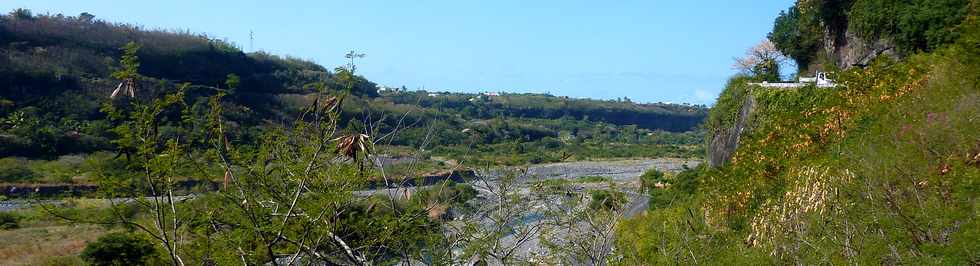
(580, 229)
(504, 223)
(763, 59)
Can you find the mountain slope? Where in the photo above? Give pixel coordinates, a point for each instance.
(883, 169)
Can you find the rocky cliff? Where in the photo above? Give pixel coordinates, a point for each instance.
(724, 141)
(845, 49)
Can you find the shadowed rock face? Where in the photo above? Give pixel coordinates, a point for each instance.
(724, 141)
(848, 50)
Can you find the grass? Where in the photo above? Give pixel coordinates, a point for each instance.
(593, 179)
(46, 245)
(876, 171)
(579, 180)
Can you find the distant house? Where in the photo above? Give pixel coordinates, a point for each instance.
(383, 89)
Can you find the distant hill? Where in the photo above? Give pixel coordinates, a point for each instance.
(669, 117)
(54, 76)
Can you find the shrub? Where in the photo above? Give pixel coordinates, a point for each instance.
(9, 221)
(687, 180)
(63, 261)
(118, 249)
(606, 200)
(15, 170)
(650, 178)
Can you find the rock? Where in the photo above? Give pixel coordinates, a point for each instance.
(848, 50)
(723, 142)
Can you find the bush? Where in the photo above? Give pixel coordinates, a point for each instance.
(606, 200)
(687, 180)
(650, 178)
(15, 170)
(63, 261)
(118, 249)
(9, 221)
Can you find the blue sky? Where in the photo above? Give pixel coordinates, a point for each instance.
(649, 51)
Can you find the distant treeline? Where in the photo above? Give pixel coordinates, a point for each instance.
(668, 117)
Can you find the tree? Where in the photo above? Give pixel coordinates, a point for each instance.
(797, 36)
(579, 227)
(129, 73)
(22, 14)
(761, 61)
(118, 248)
(232, 82)
(86, 17)
(153, 161)
(501, 228)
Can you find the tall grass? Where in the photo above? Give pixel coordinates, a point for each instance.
(877, 171)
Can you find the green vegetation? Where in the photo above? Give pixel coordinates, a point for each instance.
(650, 179)
(57, 124)
(118, 249)
(882, 169)
(522, 141)
(797, 36)
(9, 221)
(667, 117)
(14, 169)
(912, 26)
(602, 199)
(593, 179)
(879, 170)
(725, 112)
(557, 184)
(673, 187)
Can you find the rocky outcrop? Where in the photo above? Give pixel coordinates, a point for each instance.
(724, 141)
(847, 49)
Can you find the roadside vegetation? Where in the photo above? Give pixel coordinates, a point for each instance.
(879, 170)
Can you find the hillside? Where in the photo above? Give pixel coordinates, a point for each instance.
(839, 34)
(884, 168)
(121, 145)
(56, 79)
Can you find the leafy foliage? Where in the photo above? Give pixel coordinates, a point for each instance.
(875, 171)
(9, 220)
(14, 169)
(912, 26)
(119, 249)
(797, 35)
(602, 199)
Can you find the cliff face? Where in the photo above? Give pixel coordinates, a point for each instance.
(724, 141)
(843, 49)
(847, 50)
